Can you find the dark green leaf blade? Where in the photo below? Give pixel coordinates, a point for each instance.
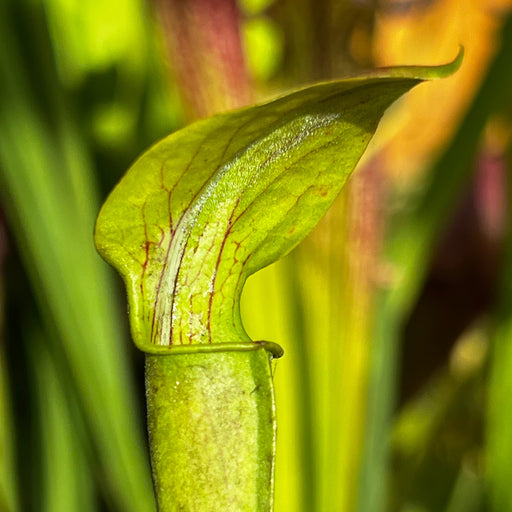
(213, 203)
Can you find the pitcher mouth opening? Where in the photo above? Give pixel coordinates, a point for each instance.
(275, 350)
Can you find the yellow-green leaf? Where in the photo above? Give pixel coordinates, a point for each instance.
(211, 204)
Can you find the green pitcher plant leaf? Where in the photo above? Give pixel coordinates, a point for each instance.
(211, 204)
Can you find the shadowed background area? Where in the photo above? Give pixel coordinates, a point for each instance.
(395, 392)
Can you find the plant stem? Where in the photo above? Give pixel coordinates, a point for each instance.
(211, 423)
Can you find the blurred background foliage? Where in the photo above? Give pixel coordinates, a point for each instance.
(395, 393)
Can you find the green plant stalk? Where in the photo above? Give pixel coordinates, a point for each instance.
(499, 410)
(499, 436)
(8, 483)
(8, 496)
(62, 470)
(211, 423)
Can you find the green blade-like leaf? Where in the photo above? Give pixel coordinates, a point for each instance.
(47, 188)
(213, 203)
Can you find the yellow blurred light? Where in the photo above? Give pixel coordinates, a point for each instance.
(263, 43)
(432, 34)
(90, 36)
(469, 353)
(113, 124)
